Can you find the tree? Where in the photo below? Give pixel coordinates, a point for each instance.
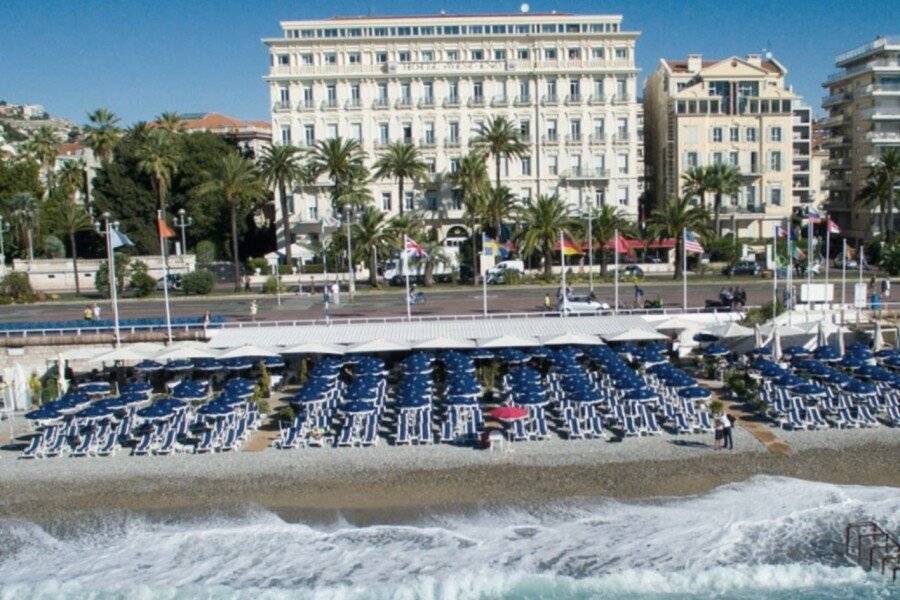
(44, 146)
(409, 225)
(70, 177)
(67, 217)
(158, 157)
(545, 218)
(604, 224)
(281, 168)
(170, 121)
(881, 188)
(470, 181)
(102, 133)
(497, 205)
(434, 255)
(671, 219)
(723, 180)
(24, 210)
(342, 161)
(696, 182)
(237, 183)
(499, 138)
(402, 161)
(373, 236)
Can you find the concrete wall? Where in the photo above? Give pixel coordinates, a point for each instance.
(57, 274)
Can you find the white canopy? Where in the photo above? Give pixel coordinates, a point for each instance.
(783, 330)
(730, 330)
(635, 335)
(379, 345)
(247, 351)
(124, 354)
(678, 323)
(313, 348)
(575, 339)
(507, 341)
(184, 351)
(443, 343)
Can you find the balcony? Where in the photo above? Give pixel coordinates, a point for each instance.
(549, 99)
(523, 100)
(550, 138)
(882, 64)
(883, 137)
(451, 102)
(836, 184)
(428, 142)
(835, 99)
(833, 121)
(836, 164)
(746, 208)
(835, 141)
(382, 144)
(597, 139)
(621, 138)
(574, 138)
(281, 107)
(573, 100)
(500, 101)
(475, 102)
(621, 99)
(597, 99)
(585, 174)
(452, 143)
(882, 113)
(330, 104)
(403, 103)
(438, 66)
(353, 104)
(427, 102)
(381, 104)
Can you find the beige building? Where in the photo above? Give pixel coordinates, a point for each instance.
(250, 136)
(566, 81)
(734, 110)
(863, 105)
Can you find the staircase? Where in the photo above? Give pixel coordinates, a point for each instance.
(869, 545)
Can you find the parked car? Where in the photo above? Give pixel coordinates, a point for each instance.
(743, 267)
(174, 282)
(851, 263)
(582, 305)
(631, 271)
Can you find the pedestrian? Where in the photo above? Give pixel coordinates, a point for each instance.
(885, 289)
(253, 309)
(547, 303)
(728, 427)
(336, 293)
(88, 313)
(719, 433)
(96, 312)
(207, 318)
(638, 297)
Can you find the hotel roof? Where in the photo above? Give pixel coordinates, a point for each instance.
(448, 16)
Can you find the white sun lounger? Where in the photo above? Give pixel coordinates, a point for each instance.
(34, 448)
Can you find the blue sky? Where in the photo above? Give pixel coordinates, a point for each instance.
(142, 58)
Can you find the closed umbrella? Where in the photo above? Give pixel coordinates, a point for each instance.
(776, 345)
(509, 413)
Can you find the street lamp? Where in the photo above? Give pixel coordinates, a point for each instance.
(348, 217)
(105, 229)
(590, 237)
(183, 221)
(4, 228)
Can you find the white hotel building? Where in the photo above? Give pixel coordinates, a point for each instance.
(567, 81)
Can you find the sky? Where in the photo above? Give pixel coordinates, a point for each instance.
(142, 58)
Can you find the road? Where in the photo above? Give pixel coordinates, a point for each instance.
(461, 300)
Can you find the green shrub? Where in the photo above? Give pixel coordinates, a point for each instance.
(313, 268)
(200, 282)
(205, 251)
(287, 413)
(890, 259)
(285, 270)
(53, 247)
(17, 287)
(511, 277)
(101, 280)
(272, 285)
(141, 282)
(258, 263)
(716, 407)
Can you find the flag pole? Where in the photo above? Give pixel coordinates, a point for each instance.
(406, 277)
(827, 254)
(562, 272)
(590, 237)
(790, 271)
(774, 271)
(616, 271)
(162, 253)
(844, 275)
(112, 279)
(809, 247)
(684, 299)
(484, 308)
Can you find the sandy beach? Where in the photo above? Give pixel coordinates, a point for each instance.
(386, 481)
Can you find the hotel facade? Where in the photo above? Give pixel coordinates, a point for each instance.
(863, 105)
(736, 111)
(567, 82)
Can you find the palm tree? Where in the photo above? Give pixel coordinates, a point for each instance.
(70, 177)
(23, 210)
(472, 181)
(237, 182)
(281, 168)
(545, 218)
(170, 121)
(671, 219)
(158, 157)
(401, 160)
(102, 133)
(45, 148)
(499, 138)
(497, 205)
(341, 160)
(409, 225)
(434, 255)
(66, 216)
(604, 224)
(723, 180)
(881, 188)
(373, 236)
(696, 182)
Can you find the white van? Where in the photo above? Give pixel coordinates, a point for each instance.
(496, 273)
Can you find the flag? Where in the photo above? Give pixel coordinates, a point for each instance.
(164, 230)
(833, 227)
(569, 248)
(814, 217)
(491, 247)
(118, 239)
(691, 242)
(413, 248)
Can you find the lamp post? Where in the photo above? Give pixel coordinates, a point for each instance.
(348, 217)
(105, 229)
(4, 228)
(183, 221)
(590, 237)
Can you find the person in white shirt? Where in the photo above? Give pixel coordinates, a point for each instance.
(336, 293)
(96, 312)
(727, 443)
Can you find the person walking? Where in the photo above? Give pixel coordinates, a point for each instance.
(885, 289)
(336, 293)
(725, 421)
(96, 312)
(548, 305)
(719, 434)
(254, 308)
(88, 313)
(638, 297)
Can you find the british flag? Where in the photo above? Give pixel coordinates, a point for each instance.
(413, 248)
(692, 242)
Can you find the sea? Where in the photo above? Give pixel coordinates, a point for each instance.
(767, 537)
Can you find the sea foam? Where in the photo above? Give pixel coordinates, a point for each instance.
(767, 537)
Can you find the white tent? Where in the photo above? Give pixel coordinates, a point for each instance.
(730, 330)
(247, 351)
(379, 345)
(123, 354)
(443, 343)
(183, 351)
(313, 348)
(507, 341)
(678, 324)
(635, 335)
(574, 339)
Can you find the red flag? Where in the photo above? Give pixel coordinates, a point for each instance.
(164, 230)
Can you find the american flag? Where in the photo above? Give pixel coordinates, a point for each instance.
(691, 242)
(413, 248)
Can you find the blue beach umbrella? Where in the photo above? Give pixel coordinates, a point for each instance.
(796, 351)
(827, 353)
(855, 386)
(694, 393)
(136, 388)
(148, 366)
(836, 377)
(808, 389)
(716, 350)
(789, 380)
(208, 365)
(274, 362)
(181, 364)
(44, 413)
(97, 411)
(641, 394)
(357, 407)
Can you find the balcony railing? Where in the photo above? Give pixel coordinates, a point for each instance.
(353, 104)
(586, 173)
(834, 141)
(573, 99)
(550, 138)
(887, 113)
(574, 138)
(452, 143)
(428, 142)
(834, 121)
(883, 136)
(329, 104)
(381, 103)
(309, 104)
(742, 209)
(621, 99)
(597, 138)
(403, 103)
(500, 101)
(549, 99)
(523, 100)
(427, 102)
(596, 99)
(835, 99)
(451, 102)
(282, 106)
(621, 138)
(475, 101)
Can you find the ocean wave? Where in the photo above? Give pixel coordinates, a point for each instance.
(766, 535)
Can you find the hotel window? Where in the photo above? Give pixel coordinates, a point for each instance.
(733, 159)
(775, 161)
(432, 165)
(454, 165)
(775, 196)
(553, 164)
(750, 134)
(524, 129)
(354, 94)
(406, 128)
(383, 92)
(331, 131)
(575, 88)
(623, 196)
(499, 54)
(551, 130)
(526, 165)
(312, 212)
(734, 134)
(622, 128)
(523, 28)
(597, 53)
(306, 59)
(330, 58)
(354, 58)
(456, 199)
(600, 198)
(386, 201)
(284, 95)
(551, 88)
(621, 52)
(775, 134)
(284, 59)
(599, 128)
(477, 54)
(717, 134)
(452, 55)
(598, 89)
(523, 54)
(431, 201)
(309, 135)
(574, 53)
(548, 28)
(621, 88)
(427, 55)
(384, 133)
(407, 200)
(405, 93)
(356, 131)
(575, 162)
(691, 159)
(623, 164)
(285, 134)
(717, 158)
(381, 57)
(524, 90)
(428, 91)
(599, 163)
(525, 195)
(453, 91)
(331, 94)
(549, 53)
(403, 56)
(754, 162)
(429, 133)
(575, 129)
(478, 89)
(453, 131)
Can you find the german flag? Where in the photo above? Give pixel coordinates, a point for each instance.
(569, 248)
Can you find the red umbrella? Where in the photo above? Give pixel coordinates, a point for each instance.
(509, 413)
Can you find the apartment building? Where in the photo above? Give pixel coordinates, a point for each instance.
(567, 81)
(863, 104)
(736, 111)
(802, 139)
